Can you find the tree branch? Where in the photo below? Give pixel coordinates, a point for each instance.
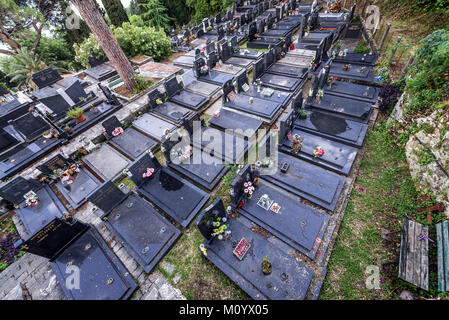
(7, 52)
(39, 35)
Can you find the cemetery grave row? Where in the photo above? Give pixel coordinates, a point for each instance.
(319, 134)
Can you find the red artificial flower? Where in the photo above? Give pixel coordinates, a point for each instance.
(241, 204)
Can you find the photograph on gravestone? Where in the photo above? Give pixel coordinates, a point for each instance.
(245, 268)
(14, 190)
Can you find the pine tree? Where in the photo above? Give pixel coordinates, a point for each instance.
(115, 11)
(107, 41)
(155, 14)
(134, 8)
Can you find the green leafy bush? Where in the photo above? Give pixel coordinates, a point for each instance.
(428, 80)
(133, 39)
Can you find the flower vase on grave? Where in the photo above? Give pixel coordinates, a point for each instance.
(266, 266)
(256, 181)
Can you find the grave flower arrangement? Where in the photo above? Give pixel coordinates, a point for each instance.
(221, 228)
(148, 173)
(204, 69)
(192, 37)
(319, 95)
(186, 154)
(266, 265)
(303, 114)
(318, 152)
(330, 81)
(346, 67)
(31, 199)
(281, 55)
(117, 131)
(50, 134)
(292, 46)
(248, 189)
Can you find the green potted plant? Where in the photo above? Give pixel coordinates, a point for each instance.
(76, 113)
(266, 266)
(303, 114)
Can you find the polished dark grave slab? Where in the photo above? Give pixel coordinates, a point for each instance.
(248, 89)
(230, 120)
(69, 93)
(153, 126)
(177, 197)
(84, 183)
(351, 90)
(228, 58)
(22, 142)
(303, 179)
(295, 223)
(166, 109)
(191, 84)
(329, 126)
(205, 171)
(237, 52)
(275, 81)
(177, 94)
(71, 245)
(334, 128)
(346, 108)
(208, 75)
(289, 279)
(355, 72)
(11, 106)
(358, 58)
(184, 61)
(229, 148)
(106, 163)
(337, 157)
(144, 232)
(277, 68)
(262, 42)
(131, 142)
(34, 218)
(266, 110)
(100, 69)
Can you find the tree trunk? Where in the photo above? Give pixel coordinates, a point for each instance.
(106, 39)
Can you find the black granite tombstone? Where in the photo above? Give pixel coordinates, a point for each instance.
(45, 77)
(71, 247)
(275, 81)
(34, 215)
(111, 98)
(202, 71)
(279, 212)
(246, 88)
(304, 179)
(336, 157)
(166, 109)
(207, 172)
(177, 94)
(145, 234)
(177, 197)
(261, 108)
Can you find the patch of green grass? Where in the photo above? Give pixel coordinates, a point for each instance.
(200, 279)
(389, 193)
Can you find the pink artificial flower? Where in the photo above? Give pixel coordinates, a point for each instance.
(117, 131)
(148, 173)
